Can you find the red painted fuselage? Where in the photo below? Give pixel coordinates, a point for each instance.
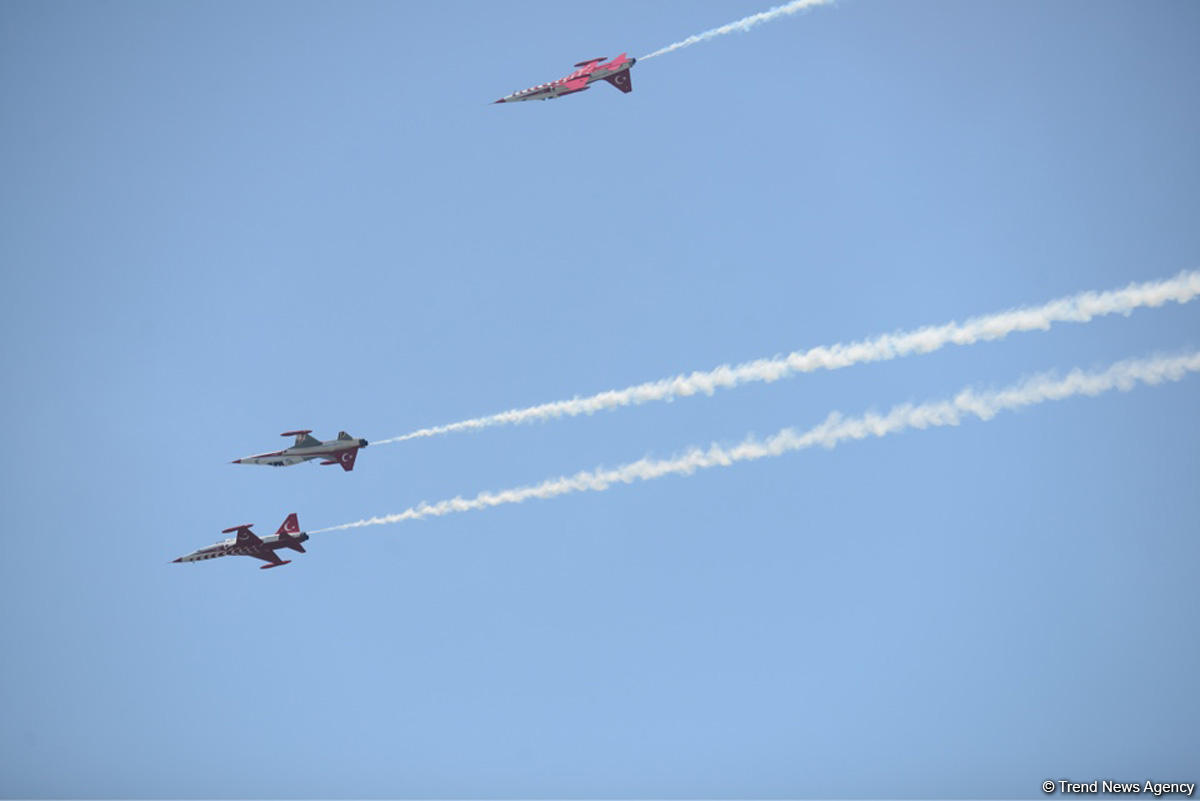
(615, 72)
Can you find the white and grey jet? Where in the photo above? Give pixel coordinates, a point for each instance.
(343, 451)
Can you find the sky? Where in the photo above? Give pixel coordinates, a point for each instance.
(220, 221)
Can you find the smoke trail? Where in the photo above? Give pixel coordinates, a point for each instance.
(744, 24)
(836, 429)
(1079, 308)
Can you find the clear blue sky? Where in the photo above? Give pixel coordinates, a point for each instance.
(219, 221)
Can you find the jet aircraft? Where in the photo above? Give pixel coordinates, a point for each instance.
(343, 451)
(246, 543)
(615, 72)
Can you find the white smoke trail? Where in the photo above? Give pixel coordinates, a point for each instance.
(836, 429)
(1079, 308)
(744, 24)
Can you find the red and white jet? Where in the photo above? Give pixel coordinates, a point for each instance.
(615, 72)
(246, 543)
(343, 451)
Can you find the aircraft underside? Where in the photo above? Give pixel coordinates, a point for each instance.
(341, 451)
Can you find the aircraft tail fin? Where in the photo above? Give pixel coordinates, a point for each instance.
(346, 458)
(622, 80)
(290, 526)
(344, 435)
(288, 531)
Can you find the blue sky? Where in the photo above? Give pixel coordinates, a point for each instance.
(220, 221)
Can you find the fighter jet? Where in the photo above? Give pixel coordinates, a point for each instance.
(247, 544)
(343, 451)
(615, 72)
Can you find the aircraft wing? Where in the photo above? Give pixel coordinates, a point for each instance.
(247, 538)
(576, 84)
(268, 555)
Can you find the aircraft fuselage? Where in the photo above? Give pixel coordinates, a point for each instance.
(288, 456)
(230, 547)
(578, 81)
(341, 451)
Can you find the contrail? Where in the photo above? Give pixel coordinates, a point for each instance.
(1123, 376)
(1079, 308)
(744, 24)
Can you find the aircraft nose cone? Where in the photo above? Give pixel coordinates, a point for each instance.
(180, 559)
(501, 100)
